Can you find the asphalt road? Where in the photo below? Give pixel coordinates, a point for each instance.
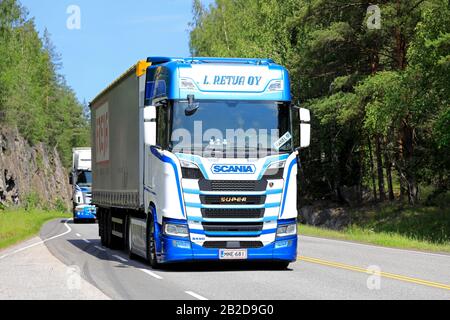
(327, 269)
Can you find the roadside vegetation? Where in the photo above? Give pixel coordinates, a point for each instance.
(380, 96)
(34, 96)
(20, 224)
(422, 228)
(380, 102)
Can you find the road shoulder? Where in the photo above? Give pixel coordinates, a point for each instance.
(35, 274)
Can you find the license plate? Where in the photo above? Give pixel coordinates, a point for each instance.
(227, 254)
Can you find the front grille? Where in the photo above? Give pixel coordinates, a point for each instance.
(233, 185)
(233, 244)
(232, 227)
(233, 200)
(233, 213)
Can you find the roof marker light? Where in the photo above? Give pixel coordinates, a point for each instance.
(141, 68)
(187, 84)
(276, 85)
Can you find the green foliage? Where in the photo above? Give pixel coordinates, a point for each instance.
(380, 97)
(429, 224)
(32, 201)
(365, 235)
(60, 206)
(18, 225)
(33, 96)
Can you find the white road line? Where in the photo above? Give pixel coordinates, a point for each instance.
(195, 295)
(99, 248)
(78, 235)
(152, 274)
(120, 258)
(377, 247)
(86, 240)
(69, 229)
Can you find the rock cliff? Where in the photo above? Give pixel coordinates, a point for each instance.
(31, 173)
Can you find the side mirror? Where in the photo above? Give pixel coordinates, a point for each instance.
(305, 128)
(150, 125)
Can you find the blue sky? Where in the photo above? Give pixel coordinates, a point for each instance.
(113, 36)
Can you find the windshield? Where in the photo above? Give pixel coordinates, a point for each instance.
(84, 178)
(261, 127)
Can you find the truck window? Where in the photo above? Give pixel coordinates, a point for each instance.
(84, 178)
(260, 122)
(162, 124)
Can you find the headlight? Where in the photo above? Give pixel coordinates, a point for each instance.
(275, 170)
(177, 230)
(287, 230)
(79, 197)
(190, 170)
(277, 165)
(188, 164)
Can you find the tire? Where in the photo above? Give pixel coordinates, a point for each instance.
(131, 255)
(108, 228)
(102, 227)
(151, 246)
(281, 265)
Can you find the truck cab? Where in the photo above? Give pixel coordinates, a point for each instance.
(195, 159)
(81, 180)
(233, 188)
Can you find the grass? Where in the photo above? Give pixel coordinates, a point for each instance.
(19, 225)
(417, 228)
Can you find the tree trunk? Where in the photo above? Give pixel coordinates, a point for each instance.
(380, 168)
(407, 140)
(388, 165)
(400, 41)
(372, 171)
(225, 29)
(361, 175)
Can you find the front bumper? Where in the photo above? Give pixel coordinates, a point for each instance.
(182, 250)
(88, 212)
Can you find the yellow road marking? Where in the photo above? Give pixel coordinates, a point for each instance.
(383, 274)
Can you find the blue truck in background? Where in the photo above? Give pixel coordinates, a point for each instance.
(81, 181)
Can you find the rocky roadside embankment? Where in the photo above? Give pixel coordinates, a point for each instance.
(31, 173)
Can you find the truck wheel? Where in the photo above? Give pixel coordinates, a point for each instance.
(131, 255)
(280, 265)
(151, 245)
(102, 227)
(108, 228)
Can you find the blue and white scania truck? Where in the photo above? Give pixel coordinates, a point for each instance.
(196, 159)
(81, 181)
